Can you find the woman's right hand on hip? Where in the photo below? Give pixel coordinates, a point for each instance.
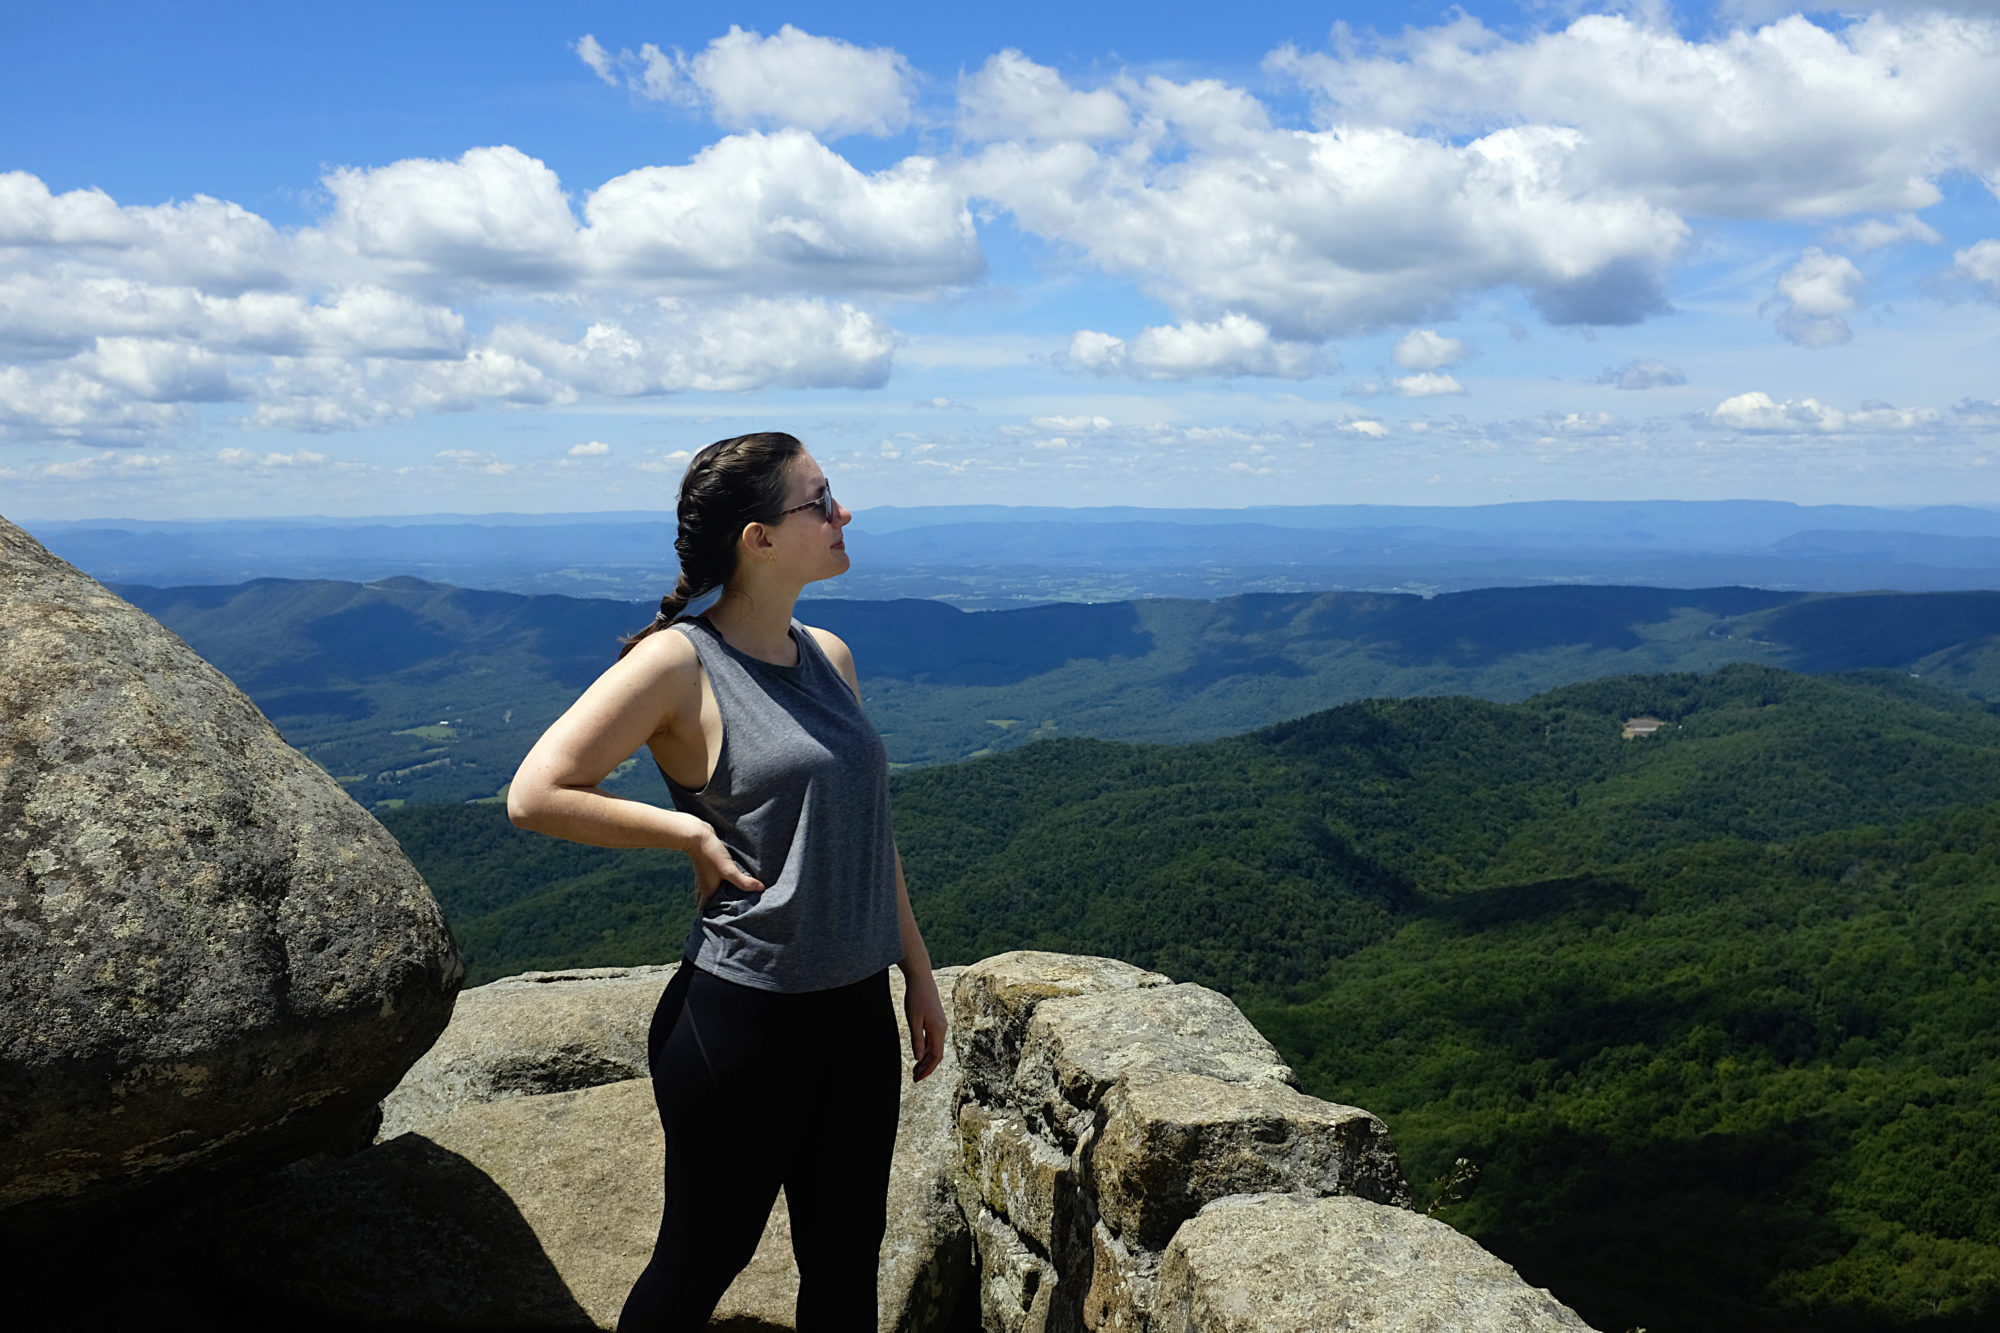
(714, 866)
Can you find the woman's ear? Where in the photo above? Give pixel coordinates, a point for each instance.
(756, 539)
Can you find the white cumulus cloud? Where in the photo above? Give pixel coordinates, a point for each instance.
(1424, 349)
(1874, 233)
(783, 210)
(432, 286)
(1588, 424)
(1426, 384)
(789, 79)
(1230, 346)
(207, 242)
(63, 402)
(1791, 120)
(1011, 97)
(751, 343)
(1815, 294)
(1315, 234)
(794, 78)
(592, 53)
(494, 215)
(1759, 413)
(94, 466)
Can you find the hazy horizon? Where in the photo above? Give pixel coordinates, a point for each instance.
(641, 515)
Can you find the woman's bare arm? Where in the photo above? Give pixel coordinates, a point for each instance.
(654, 689)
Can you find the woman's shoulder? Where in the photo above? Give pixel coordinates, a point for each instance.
(835, 649)
(666, 651)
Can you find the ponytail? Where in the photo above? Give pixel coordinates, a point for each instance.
(670, 610)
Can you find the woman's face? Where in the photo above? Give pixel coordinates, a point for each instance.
(805, 541)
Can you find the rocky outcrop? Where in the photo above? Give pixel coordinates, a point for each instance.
(214, 959)
(1294, 1263)
(1119, 1134)
(1075, 1186)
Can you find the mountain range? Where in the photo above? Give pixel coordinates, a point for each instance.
(414, 691)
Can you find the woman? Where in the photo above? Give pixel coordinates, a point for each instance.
(774, 1050)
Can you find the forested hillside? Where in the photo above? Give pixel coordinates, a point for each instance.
(1710, 1012)
(411, 691)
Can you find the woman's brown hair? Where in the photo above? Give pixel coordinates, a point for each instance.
(727, 487)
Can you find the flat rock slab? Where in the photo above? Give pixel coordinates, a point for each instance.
(535, 1033)
(1287, 1263)
(533, 1212)
(558, 1194)
(407, 1234)
(214, 960)
(583, 1169)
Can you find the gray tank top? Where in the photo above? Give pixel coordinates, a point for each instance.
(800, 796)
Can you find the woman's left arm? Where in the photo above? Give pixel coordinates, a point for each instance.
(921, 1003)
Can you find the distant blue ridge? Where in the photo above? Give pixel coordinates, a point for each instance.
(994, 555)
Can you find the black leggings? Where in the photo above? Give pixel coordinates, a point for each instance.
(759, 1089)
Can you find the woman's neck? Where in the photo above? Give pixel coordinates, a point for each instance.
(757, 620)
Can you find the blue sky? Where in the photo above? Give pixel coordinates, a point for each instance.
(396, 259)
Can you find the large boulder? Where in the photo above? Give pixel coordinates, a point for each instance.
(409, 1234)
(214, 959)
(583, 1169)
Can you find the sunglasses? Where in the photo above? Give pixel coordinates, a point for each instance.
(822, 502)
